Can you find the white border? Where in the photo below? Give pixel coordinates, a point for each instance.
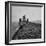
(9, 21)
(29, 40)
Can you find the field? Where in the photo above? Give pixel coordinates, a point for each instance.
(28, 31)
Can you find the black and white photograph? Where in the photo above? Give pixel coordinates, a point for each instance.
(24, 22)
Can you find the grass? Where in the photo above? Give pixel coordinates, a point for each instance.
(28, 31)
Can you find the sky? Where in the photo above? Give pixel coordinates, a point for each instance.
(32, 13)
